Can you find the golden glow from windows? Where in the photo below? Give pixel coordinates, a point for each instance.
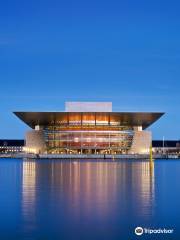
(144, 150)
(30, 150)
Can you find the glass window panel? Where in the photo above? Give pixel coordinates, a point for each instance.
(88, 119)
(61, 119)
(102, 118)
(75, 118)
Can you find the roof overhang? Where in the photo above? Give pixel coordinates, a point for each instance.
(144, 119)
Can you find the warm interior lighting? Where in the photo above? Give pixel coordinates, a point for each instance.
(30, 150)
(144, 150)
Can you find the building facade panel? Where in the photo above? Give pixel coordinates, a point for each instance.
(141, 143)
(35, 142)
(88, 106)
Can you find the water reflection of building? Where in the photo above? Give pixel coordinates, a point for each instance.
(143, 184)
(86, 186)
(28, 190)
(82, 188)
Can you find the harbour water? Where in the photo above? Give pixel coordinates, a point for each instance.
(88, 199)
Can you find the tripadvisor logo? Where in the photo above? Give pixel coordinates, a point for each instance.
(139, 231)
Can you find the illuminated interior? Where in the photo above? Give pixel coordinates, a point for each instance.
(87, 135)
(85, 132)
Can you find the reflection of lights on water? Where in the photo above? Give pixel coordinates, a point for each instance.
(99, 180)
(143, 177)
(28, 189)
(89, 186)
(98, 186)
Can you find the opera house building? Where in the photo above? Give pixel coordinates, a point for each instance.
(88, 128)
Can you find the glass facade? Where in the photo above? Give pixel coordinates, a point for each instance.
(87, 135)
(87, 128)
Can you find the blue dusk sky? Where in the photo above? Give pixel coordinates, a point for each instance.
(127, 52)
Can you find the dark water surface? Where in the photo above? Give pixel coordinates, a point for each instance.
(55, 199)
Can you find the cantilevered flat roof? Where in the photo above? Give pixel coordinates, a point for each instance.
(144, 119)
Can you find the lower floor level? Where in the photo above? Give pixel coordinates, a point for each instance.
(86, 151)
(138, 142)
